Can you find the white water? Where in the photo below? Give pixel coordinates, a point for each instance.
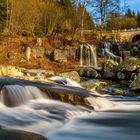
(55, 120)
(88, 56)
(14, 95)
(107, 51)
(93, 57)
(65, 81)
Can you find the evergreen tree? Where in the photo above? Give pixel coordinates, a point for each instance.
(129, 13)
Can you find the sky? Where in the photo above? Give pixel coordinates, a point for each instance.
(133, 4)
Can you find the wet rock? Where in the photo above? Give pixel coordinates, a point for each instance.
(19, 135)
(110, 69)
(135, 85)
(73, 75)
(88, 72)
(59, 55)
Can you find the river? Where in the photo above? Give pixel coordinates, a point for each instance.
(61, 121)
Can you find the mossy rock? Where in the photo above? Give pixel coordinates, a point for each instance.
(130, 64)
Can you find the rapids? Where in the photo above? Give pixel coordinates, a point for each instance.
(25, 106)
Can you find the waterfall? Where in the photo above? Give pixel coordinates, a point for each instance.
(94, 57)
(81, 54)
(100, 103)
(14, 95)
(88, 56)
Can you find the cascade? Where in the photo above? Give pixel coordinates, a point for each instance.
(13, 95)
(88, 56)
(100, 103)
(106, 51)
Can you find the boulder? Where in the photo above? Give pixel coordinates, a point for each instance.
(73, 75)
(10, 71)
(109, 70)
(19, 135)
(59, 55)
(94, 84)
(38, 52)
(123, 75)
(130, 65)
(71, 53)
(88, 72)
(135, 85)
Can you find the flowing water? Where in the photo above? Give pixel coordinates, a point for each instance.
(113, 118)
(88, 56)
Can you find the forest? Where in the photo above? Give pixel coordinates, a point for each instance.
(49, 17)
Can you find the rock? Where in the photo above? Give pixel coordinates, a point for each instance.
(135, 85)
(48, 53)
(28, 53)
(39, 41)
(93, 84)
(38, 52)
(71, 53)
(37, 73)
(130, 65)
(88, 72)
(19, 135)
(59, 55)
(133, 77)
(57, 44)
(10, 55)
(73, 75)
(109, 70)
(10, 71)
(123, 75)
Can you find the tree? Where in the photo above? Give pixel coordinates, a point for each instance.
(102, 10)
(3, 13)
(129, 13)
(138, 19)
